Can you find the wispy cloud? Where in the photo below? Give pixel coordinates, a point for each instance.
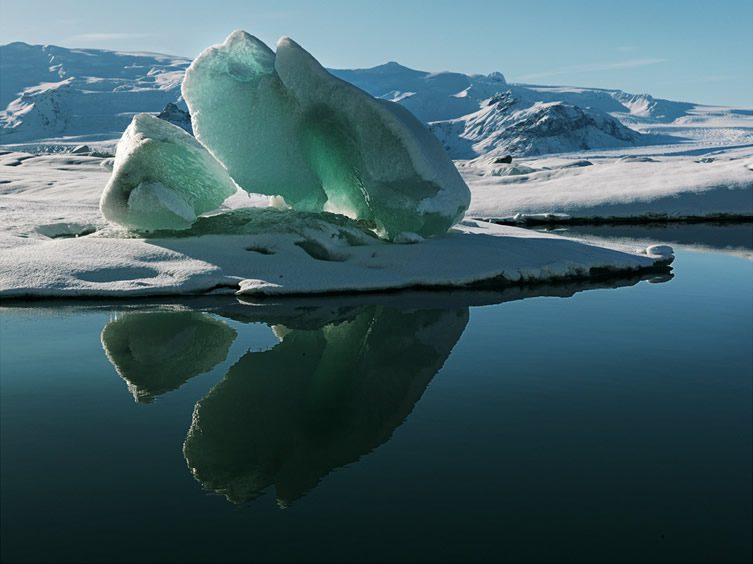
(596, 67)
(99, 37)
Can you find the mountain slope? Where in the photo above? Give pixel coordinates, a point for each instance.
(54, 94)
(48, 91)
(504, 125)
(430, 96)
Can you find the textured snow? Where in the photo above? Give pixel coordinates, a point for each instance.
(707, 183)
(505, 126)
(282, 125)
(162, 178)
(49, 199)
(429, 96)
(54, 241)
(308, 257)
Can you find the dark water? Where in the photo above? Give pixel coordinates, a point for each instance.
(612, 425)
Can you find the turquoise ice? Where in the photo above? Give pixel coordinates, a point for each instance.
(279, 124)
(162, 178)
(282, 125)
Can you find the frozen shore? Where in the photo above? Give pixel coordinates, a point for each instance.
(54, 243)
(647, 184)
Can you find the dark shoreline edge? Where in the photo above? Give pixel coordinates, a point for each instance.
(556, 220)
(498, 287)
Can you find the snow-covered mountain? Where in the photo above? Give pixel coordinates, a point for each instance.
(430, 96)
(52, 92)
(75, 95)
(505, 125)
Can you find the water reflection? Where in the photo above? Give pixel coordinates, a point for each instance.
(156, 352)
(318, 400)
(731, 238)
(346, 372)
(334, 388)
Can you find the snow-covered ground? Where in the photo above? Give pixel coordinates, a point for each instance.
(660, 182)
(47, 200)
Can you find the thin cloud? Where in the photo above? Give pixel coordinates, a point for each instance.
(597, 67)
(99, 37)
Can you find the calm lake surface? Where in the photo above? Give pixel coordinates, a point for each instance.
(580, 422)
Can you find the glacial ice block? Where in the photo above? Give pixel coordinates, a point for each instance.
(242, 113)
(375, 160)
(282, 125)
(162, 178)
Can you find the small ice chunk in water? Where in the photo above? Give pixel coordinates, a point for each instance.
(662, 252)
(162, 178)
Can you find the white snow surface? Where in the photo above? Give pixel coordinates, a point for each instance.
(507, 126)
(48, 199)
(54, 242)
(50, 92)
(665, 182)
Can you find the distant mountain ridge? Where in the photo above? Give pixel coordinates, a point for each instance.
(430, 96)
(54, 93)
(48, 91)
(504, 126)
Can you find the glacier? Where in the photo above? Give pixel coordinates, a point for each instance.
(283, 126)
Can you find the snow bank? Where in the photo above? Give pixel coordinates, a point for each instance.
(49, 199)
(661, 186)
(314, 254)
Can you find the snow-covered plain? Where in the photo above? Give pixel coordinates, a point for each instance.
(665, 182)
(47, 200)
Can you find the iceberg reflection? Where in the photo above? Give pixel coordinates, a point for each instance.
(346, 372)
(155, 352)
(318, 400)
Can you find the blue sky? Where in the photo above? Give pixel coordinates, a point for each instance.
(700, 51)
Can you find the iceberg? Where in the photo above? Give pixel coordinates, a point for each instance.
(241, 112)
(162, 178)
(283, 126)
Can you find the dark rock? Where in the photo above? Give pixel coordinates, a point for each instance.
(176, 116)
(577, 164)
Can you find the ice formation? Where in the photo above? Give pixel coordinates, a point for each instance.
(282, 125)
(162, 178)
